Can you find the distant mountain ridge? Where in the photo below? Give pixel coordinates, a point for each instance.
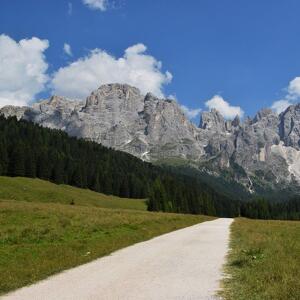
(260, 152)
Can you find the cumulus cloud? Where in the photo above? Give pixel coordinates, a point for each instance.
(96, 4)
(294, 88)
(191, 113)
(292, 96)
(135, 67)
(22, 69)
(281, 105)
(224, 108)
(67, 49)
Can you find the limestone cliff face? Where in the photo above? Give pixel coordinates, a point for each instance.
(290, 126)
(266, 147)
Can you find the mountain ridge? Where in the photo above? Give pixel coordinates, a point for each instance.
(263, 151)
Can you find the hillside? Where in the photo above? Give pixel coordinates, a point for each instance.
(29, 150)
(37, 190)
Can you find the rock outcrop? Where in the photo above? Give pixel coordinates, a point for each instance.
(265, 148)
(290, 126)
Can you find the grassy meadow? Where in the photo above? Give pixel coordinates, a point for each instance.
(46, 234)
(37, 190)
(264, 261)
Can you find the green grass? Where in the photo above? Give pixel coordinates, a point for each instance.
(264, 261)
(45, 234)
(36, 190)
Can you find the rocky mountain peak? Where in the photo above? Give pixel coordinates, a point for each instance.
(13, 111)
(115, 98)
(55, 104)
(290, 126)
(236, 122)
(265, 113)
(213, 121)
(119, 116)
(150, 97)
(294, 109)
(110, 92)
(57, 101)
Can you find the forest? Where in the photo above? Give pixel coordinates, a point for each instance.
(29, 150)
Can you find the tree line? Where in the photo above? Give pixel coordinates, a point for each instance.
(266, 209)
(29, 150)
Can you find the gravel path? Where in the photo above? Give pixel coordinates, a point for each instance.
(183, 264)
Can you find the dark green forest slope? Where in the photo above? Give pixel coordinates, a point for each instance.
(29, 150)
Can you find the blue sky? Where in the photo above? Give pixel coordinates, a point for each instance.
(247, 52)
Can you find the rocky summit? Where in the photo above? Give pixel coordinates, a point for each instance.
(263, 149)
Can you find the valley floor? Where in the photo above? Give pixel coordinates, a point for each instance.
(184, 264)
(47, 228)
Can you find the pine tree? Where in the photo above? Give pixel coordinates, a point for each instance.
(77, 177)
(58, 172)
(30, 164)
(17, 161)
(4, 160)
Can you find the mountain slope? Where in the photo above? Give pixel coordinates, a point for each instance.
(27, 149)
(260, 153)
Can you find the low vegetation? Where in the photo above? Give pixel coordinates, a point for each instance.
(59, 227)
(36, 190)
(264, 261)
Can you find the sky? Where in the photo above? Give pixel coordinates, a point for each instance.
(237, 56)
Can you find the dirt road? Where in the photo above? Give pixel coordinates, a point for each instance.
(184, 264)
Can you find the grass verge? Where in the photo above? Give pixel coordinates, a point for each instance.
(40, 239)
(264, 261)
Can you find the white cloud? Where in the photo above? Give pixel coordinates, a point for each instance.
(281, 105)
(136, 68)
(96, 4)
(67, 49)
(22, 69)
(292, 96)
(224, 108)
(294, 88)
(190, 112)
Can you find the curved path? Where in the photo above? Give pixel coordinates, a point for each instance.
(183, 264)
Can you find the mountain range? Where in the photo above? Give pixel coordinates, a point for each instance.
(262, 152)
